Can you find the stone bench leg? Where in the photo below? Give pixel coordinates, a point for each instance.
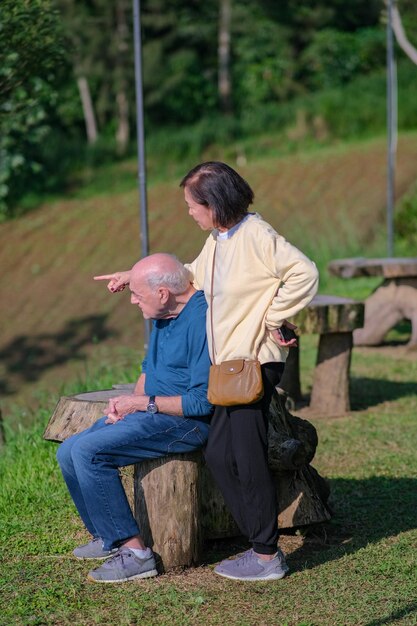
(330, 393)
(393, 301)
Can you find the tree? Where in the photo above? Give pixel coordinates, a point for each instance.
(32, 59)
(224, 73)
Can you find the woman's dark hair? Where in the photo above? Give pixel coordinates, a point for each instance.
(218, 186)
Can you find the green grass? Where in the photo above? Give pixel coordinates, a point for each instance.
(359, 569)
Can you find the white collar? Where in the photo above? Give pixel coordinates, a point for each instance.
(227, 234)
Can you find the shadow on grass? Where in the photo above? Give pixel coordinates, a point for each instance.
(365, 511)
(410, 609)
(27, 357)
(368, 392)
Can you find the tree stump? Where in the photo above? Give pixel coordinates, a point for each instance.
(174, 498)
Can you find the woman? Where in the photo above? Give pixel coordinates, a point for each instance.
(259, 280)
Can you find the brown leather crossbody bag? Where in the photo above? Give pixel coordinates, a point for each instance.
(238, 381)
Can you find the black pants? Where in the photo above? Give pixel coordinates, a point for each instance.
(237, 455)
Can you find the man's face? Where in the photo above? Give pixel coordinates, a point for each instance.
(146, 299)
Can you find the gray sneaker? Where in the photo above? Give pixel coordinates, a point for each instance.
(123, 566)
(93, 550)
(250, 567)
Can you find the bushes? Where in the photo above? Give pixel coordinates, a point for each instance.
(32, 64)
(406, 219)
(357, 109)
(335, 58)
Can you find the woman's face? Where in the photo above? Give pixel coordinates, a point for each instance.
(202, 214)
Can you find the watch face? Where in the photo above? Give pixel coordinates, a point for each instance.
(152, 407)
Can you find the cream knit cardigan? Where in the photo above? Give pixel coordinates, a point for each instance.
(259, 280)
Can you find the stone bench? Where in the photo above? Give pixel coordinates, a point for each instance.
(175, 500)
(393, 301)
(334, 319)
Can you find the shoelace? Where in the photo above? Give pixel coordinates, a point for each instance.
(242, 560)
(119, 556)
(248, 555)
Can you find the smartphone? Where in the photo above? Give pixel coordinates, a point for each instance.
(286, 333)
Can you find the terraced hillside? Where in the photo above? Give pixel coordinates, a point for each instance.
(329, 202)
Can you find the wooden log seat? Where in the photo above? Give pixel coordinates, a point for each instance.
(393, 301)
(175, 500)
(334, 319)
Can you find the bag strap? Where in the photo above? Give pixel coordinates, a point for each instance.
(211, 302)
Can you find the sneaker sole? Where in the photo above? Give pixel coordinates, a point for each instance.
(253, 578)
(149, 574)
(94, 558)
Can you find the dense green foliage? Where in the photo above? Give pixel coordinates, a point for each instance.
(318, 65)
(406, 219)
(31, 70)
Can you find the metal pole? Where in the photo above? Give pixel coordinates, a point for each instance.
(141, 142)
(391, 130)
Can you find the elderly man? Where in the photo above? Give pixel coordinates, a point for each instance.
(168, 413)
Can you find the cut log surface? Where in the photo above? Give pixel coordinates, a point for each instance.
(330, 314)
(76, 413)
(175, 500)
(391, 267)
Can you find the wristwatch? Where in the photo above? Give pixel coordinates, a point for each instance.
(152, 406)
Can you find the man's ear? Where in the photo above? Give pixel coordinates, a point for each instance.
(164, 294)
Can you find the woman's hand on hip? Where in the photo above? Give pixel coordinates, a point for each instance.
(285, 336)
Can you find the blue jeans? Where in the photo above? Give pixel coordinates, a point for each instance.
(90, 460)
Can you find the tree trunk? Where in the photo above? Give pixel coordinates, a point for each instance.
(224, 78)
(123, 128)
(122, 102)
(88, 110)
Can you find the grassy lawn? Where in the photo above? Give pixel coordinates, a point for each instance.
(359, 569)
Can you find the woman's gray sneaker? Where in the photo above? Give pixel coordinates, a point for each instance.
(250, 567)
(123, 566)
(93, 550)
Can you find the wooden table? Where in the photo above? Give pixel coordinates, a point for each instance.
(334, 319)
(394, 300)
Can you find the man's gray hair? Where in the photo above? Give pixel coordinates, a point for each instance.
(177, 281)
